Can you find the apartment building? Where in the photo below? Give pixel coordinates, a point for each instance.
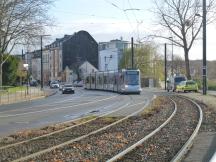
(70, 51)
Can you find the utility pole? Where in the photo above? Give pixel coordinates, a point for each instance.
(165, 64)
(41, 62)
(132, 51)
(172, 58)
(204, 49)
(41, 37)
(172, 71)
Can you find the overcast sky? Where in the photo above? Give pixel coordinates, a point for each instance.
(110, 19)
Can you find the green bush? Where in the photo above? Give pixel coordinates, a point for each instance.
(212, 85)
(199, 83)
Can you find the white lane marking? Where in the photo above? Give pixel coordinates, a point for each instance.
(47, 105)
(98, 108)
(22, 122)
(52, 109)
(213, 159)
(43, 104)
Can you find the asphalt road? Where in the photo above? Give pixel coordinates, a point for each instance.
(64, 107)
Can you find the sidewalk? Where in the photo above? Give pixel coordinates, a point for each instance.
(204, 146)
(26, 95)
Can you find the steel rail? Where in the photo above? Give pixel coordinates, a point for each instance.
(132, 147)
(189, 142)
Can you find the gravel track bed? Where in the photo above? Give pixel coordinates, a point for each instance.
(164, 145)
(32, 146)
(105, 144)
(29, 134)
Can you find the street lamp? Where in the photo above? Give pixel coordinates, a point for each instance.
(204, 68)
(165, 65)
(204, 49)
(41, 37)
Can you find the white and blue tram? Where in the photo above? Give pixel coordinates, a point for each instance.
(123, 81)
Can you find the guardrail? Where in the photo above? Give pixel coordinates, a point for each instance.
(10, 94)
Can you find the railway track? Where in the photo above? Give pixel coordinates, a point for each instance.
(35, 144)
(143, 137)
(169, 142)
(97, 135)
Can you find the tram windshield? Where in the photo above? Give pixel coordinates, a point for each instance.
(132, 78)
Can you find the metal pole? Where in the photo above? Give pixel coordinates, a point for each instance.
(132, 50)
(105, 63)
(22, 55)
(172, 56)
(165, 64)
(27, 85)
(41, 62)
(204, 49)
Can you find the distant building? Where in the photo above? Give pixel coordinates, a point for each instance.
(69, 51)
(111, 53)
(86, 68)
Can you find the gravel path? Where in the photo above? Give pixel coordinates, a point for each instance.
(104, 145)
(165, 144)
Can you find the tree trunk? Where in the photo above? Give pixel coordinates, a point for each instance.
(187, 64)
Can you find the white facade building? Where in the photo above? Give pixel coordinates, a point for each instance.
(110, 54)
(108, 59)
(86, 68)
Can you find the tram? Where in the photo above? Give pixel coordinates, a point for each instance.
(124, 81)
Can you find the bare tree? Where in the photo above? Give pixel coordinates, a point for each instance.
(20, 22)
(182, 18)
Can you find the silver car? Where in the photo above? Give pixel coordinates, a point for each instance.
(68, 88)
(54, 84)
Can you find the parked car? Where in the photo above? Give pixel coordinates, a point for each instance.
(187, 86)
(33, 83)
(54, 84)
(67, 88)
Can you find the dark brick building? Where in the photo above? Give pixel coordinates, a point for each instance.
(70, 51)
(80, 47)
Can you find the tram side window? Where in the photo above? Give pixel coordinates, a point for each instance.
(111, 79)
(121, 79)
(87, 79)
(115, 79)
(92, 80)
(99, 79)
(105, 79)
